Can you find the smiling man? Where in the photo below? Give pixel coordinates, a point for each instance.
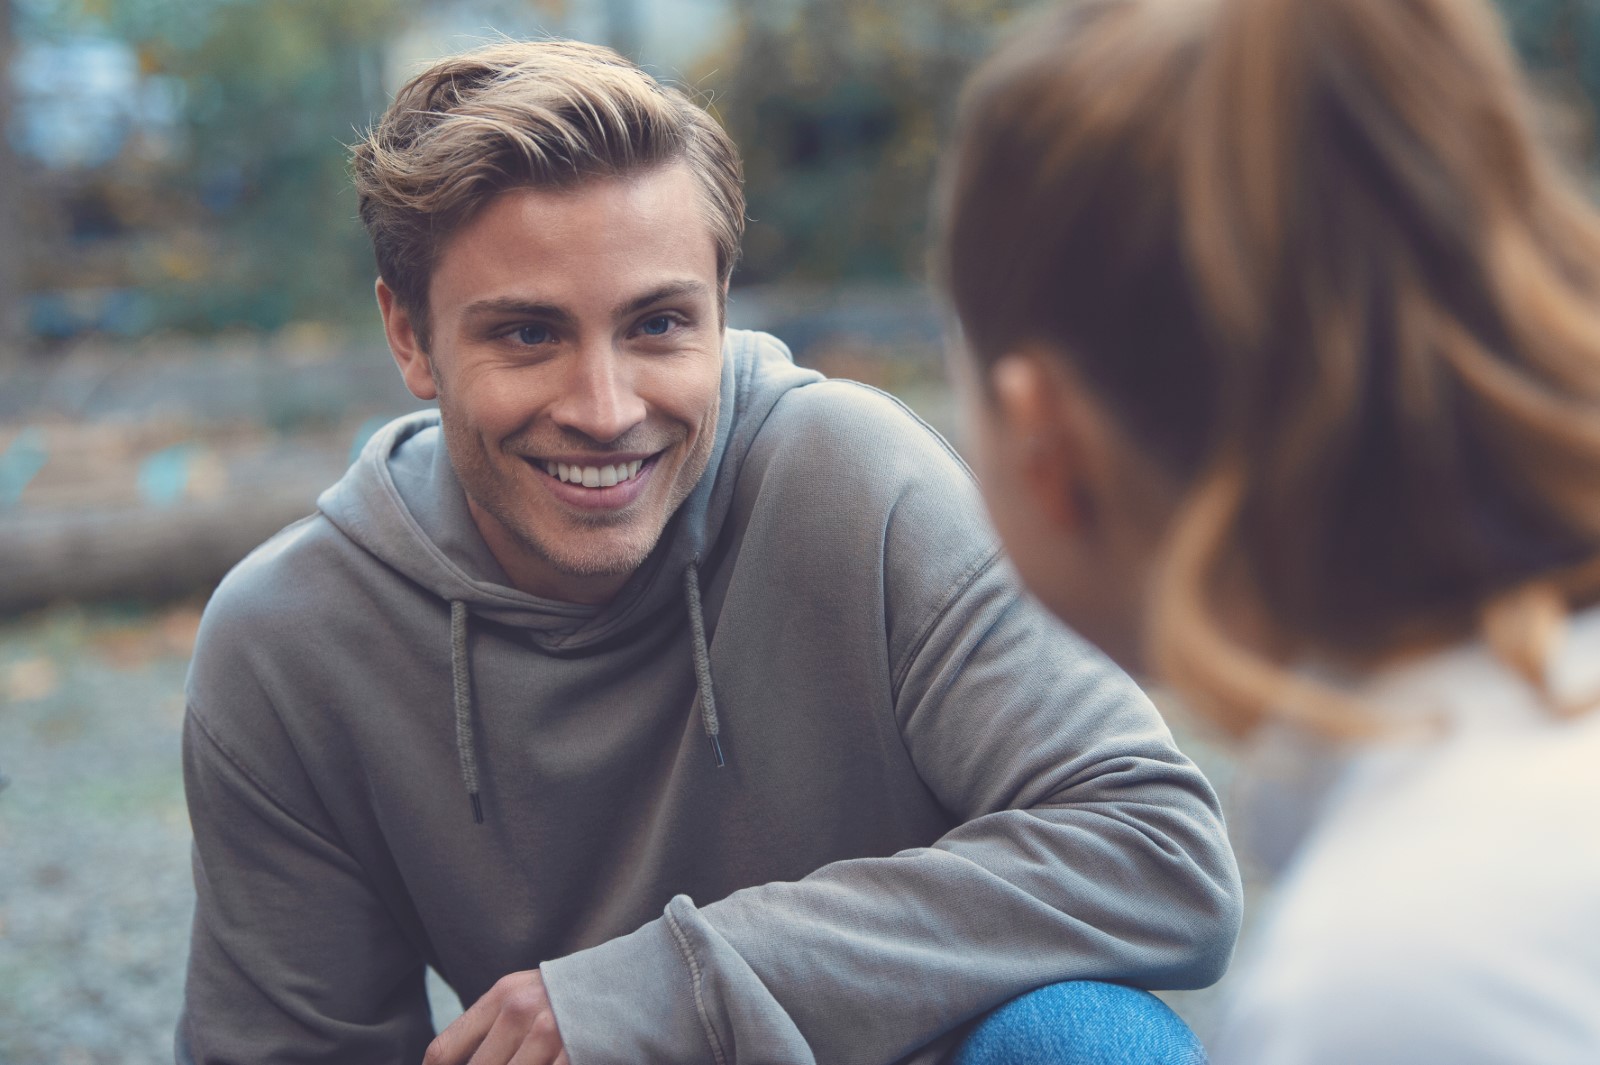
(667, 699)
(576, 354)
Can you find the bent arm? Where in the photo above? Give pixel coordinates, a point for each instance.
(1089, 848)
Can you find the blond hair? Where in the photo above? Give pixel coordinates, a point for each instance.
(1316, 259)
(544, 114)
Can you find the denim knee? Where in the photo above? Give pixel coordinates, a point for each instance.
(1082, 1022)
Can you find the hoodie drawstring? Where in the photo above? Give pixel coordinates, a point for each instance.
(461, 678)
(702, 659)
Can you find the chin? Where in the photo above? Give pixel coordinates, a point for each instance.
(594, 555)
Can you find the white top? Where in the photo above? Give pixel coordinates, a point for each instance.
(1445, 903)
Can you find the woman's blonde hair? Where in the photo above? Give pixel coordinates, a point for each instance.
(1316, 258)
(543, 114)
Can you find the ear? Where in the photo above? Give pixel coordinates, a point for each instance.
(404, 345)
(1047, 425)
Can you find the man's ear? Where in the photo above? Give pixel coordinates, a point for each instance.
(404, 345)
(1050, 438)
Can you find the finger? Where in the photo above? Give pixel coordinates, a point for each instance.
(524, 1020)
(464, 1035)
(512, 1032)
(542, 1045)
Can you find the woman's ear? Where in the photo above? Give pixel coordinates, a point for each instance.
(404, 345)
(1049, 440)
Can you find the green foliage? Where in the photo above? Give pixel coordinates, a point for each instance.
(256, 221)
(838, 106)
(277, 89)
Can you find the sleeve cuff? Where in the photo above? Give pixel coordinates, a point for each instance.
(627, 1000)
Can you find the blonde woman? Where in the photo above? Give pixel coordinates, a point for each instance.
(1282, 360)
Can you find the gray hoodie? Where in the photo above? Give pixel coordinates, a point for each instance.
(931, 796)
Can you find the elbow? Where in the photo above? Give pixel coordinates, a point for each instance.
(1208, 916)
(1211, 945)
(1189, 901)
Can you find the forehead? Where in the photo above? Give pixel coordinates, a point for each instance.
(588, 244)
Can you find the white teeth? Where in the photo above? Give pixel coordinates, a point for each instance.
(594, 476)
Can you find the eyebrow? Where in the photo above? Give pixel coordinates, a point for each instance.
(672, 290)
(510, 306)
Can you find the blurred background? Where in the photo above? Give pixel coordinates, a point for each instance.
(189, 353)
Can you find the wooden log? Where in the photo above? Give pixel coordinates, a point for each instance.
(142, 552)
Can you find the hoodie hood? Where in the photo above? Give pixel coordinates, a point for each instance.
(405, 506)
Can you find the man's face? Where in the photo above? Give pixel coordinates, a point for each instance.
(576, 356)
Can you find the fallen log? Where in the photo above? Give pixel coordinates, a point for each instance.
(133, 551)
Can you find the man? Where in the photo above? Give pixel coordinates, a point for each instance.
(667, 699)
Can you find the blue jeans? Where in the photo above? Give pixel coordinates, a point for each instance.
(1082, 1022)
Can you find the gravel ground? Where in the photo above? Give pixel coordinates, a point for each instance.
(95, 895)
(94, 888)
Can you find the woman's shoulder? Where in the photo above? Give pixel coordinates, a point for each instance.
(1446, 895)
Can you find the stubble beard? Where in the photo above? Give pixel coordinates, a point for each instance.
(492, 492)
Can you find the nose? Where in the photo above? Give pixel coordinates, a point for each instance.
(598, 398)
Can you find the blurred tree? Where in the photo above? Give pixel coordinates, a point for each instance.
(245, 217)
(235, 208)
(838, 106)
(12, 321)
(273, 91)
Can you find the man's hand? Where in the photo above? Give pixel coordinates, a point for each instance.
(512, 1024)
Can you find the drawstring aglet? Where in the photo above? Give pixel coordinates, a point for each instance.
(477, 809)
(716, 750)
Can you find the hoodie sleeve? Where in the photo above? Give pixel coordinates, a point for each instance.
(1086, 847)
(1090, 849)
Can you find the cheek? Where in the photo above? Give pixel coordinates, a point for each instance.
(690, 395)
(490, 402)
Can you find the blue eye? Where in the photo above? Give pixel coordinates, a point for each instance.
(657, 326)
(532, 334)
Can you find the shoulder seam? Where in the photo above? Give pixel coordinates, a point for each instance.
(982, 565)
(256, 779)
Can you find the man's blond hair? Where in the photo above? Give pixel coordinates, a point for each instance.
(516, 114)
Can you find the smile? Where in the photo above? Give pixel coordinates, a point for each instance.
(594, 476)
